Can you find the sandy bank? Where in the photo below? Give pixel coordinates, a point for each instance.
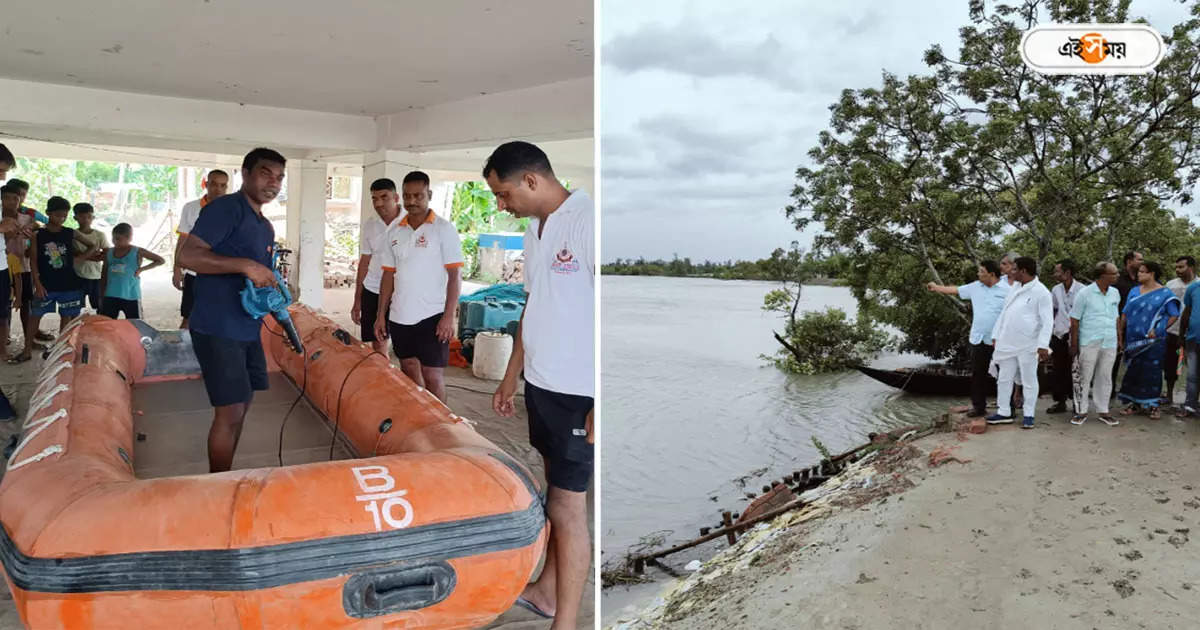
(1058, 527)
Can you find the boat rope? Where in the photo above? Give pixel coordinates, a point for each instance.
(64, 341)
(43, 387)
(43, 454)
(52, 358)
(52, 371)
(41, 423)
(76, 323)
(44, 401)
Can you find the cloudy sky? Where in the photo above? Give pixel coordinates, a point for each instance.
(708, 107)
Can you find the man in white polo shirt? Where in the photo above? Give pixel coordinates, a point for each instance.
(555, 346)
(421, 259)
(386, 202)
(215, 186)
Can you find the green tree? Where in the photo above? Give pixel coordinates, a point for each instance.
(827, 341)
(473, 211)
(922, 177)
(49, 178)
(814, 342)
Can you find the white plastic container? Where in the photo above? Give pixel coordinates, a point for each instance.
(492, 351)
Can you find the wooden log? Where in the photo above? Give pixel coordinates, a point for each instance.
(727, 520)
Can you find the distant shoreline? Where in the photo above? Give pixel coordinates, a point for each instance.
(823, 282)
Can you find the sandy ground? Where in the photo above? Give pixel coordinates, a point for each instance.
(469, 397)
(1058, 527)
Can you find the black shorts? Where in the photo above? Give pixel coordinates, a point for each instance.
(557, 430)
(233, 370)
(114, 306)
(370, 307)
(420, 341)
(27, 289)
(189, 296)
(6, 291)
(91, 290)
(1171, 364)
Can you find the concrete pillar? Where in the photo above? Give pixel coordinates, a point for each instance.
(310, 265)
(292, 182)
(391, 164)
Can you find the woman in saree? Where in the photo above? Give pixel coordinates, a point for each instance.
(1149, 310)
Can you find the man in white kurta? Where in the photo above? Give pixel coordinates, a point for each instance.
(1022, 337)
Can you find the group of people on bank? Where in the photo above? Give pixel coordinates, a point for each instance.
(1082, 334)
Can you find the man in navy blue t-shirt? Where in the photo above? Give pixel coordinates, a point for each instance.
(231, 241)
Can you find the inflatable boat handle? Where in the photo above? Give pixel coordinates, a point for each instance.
(393, 590)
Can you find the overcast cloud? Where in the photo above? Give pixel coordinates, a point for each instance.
(708, 109)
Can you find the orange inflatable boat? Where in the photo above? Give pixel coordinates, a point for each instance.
(431, 527)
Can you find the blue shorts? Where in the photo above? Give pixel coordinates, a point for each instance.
(67, 303)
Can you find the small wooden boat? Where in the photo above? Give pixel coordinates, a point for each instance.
(939, 381)
(429, 525)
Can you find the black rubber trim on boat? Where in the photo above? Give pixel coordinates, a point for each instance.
(521, 474)
(391, 590)
(269, 566)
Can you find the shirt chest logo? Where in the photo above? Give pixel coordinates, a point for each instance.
(421, 241)
(564, 261)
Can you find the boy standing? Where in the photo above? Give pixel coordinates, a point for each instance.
(121, 280)
(8, 226)
(17, 244)
(55, 285)
(88, 268)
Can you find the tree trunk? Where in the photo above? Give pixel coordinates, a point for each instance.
(120, 200)
(790, 347)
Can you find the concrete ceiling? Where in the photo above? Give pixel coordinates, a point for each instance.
(360, 57)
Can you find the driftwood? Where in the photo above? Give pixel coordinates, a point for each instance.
(730, 531)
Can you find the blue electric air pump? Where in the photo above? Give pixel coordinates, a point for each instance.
(258, 301)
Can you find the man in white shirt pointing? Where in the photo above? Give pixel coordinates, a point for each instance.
(1022, 338)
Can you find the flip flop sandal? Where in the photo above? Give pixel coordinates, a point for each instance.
(1129, 411)
(1155, 414)
(1078, 419)
(531, 607)
(17, 360)
(1109, 420)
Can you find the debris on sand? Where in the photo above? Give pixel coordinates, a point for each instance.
(943, 454)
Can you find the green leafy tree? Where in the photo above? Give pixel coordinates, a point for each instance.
(158, 183)
(814, 342)
(49, 178)
(473, 211)
(921, 177)
(828, 341)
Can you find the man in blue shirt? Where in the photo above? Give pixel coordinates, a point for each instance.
(1189, 331)
(987, 300)
(1095, 342)
(232, 240)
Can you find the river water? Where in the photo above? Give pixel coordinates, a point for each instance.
(689, 407)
